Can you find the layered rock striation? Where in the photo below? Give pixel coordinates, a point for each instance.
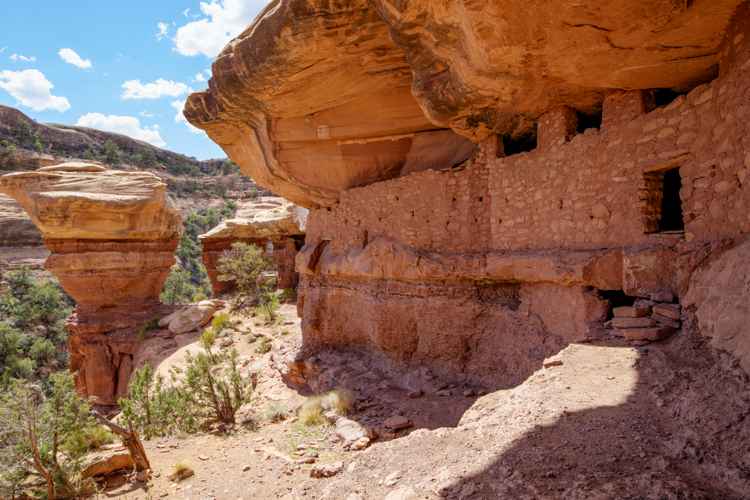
(272, 223)
(610, 167)
(112, 236)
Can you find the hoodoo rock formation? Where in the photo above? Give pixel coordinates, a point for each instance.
(488, 181)
(271, 223)
(112, 236)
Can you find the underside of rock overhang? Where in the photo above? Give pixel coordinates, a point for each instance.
(317, 97)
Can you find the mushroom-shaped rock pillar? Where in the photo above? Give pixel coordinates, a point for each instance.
(112, 236)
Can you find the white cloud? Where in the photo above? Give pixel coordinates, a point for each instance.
(222, 20)
(146, 114)
(186, 12)
(125, 125)
(32, 89)
(134, 89)
(2, 49)
(178, 106)
(199, 78)
(22, 58)
(70, 56)
(163, 30)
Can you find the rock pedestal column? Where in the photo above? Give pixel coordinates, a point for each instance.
(112, 236)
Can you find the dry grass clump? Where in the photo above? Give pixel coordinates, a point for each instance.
(180, 472)
(339, 400)
(275, 413)
(312, 412)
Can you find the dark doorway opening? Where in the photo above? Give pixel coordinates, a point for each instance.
(519, 144)
(589, 120)
(671, 204)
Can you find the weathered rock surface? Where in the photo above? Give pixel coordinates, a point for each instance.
(719, 293)
(191, 317)
(112, 236)
(268, 220)
(373, 82)
(103, 463)
(16, 228)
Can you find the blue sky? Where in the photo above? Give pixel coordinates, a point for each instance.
(120, 66)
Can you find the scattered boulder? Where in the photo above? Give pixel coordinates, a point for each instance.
(671, 311)
(650, 334)
(107, 462)
(326, 470)
(635, 311)
(354, 435)
(191, 317)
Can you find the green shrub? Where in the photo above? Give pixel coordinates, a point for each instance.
(110, 153)
(220, 321)
(47, 433)
(32, 326)
(249, 269)
(153, 408)
(209, 390)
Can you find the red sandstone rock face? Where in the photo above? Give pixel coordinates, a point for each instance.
(269, 220)
(318, 97)
(719, 292)
(112, 237)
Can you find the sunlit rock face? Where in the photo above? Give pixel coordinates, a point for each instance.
(317, 97)
(272, 223)
(112, 236)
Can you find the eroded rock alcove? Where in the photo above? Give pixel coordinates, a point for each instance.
(112, 236)
(489, 180)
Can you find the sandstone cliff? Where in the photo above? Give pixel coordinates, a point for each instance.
(112, 236)
(271, 223)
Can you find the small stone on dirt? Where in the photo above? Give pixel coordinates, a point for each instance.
(326, 470)
(397, 423)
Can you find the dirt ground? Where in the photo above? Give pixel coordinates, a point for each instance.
(669, 420)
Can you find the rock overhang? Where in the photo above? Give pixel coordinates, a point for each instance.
(317, 97)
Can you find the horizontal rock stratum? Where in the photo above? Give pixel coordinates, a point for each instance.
(112, 236)
(317, 97)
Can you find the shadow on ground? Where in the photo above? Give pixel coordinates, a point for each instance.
(681, 430)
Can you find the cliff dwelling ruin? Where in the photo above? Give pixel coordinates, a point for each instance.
(477, 190)
(490, 181)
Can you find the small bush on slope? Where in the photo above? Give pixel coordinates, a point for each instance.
(209, 390)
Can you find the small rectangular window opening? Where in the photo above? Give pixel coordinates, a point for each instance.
(662, 204)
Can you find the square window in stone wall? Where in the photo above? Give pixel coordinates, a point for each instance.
(661, 206)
